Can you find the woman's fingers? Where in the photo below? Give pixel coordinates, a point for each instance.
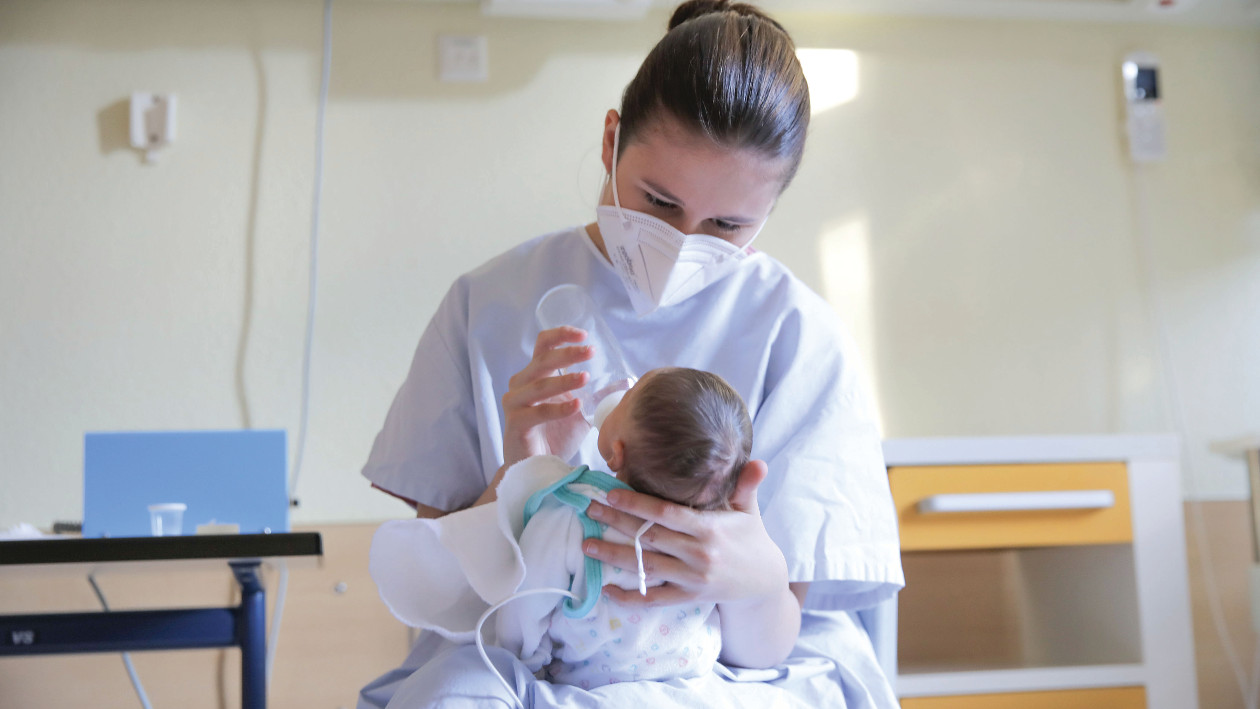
(623, 522)
(555, 337)
(657, 537)
(744, 498)
(542, 390)
(551, 354)
(658, 567)
(663, 595)
(527, 417)
(663, 512)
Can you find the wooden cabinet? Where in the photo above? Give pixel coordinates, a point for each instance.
(1042, 572)
(1117, 698)
(996, 506)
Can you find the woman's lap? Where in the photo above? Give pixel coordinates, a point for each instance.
(829, 668)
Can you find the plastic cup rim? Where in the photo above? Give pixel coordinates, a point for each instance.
(168, 507)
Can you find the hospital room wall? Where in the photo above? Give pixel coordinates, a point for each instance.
(969, 210)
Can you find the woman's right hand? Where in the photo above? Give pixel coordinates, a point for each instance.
(541, 415)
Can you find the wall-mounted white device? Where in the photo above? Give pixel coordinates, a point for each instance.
(1144, 116)
(152, 122)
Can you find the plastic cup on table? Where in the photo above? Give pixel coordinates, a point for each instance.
(167, 519)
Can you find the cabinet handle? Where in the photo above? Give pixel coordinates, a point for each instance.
(1018, 501)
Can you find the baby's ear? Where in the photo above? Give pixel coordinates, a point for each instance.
(617, 461)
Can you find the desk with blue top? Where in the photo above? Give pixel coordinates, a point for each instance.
(242, 626)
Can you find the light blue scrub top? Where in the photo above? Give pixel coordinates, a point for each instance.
(826, 501)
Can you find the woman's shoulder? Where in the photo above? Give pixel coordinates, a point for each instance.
(528, 256)
(522, 268)
(769, 284)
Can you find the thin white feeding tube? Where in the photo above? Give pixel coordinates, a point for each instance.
(481, 647)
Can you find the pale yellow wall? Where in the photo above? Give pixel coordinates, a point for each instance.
(970, 211)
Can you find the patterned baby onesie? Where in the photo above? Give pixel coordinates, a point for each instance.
(612, 643)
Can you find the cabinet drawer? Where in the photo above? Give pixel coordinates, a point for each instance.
(1111, 698)
(998, 506)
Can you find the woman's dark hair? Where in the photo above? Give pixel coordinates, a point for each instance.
(729, 72)
(692, 437)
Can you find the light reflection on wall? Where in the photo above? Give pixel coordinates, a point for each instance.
(832, 75)
(844, 252)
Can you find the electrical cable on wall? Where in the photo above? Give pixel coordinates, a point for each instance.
(1248, 683)
(312, 279)
(126, 656)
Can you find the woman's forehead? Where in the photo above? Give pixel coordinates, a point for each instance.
(701, 174)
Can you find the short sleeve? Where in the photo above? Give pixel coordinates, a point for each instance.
(428, 448)
(826, 502)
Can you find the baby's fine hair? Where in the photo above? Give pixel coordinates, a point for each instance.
(693, 436)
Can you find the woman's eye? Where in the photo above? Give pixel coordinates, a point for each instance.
(725, 226)
(658, 202)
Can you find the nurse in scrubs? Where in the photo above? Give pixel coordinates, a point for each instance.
(709, 134)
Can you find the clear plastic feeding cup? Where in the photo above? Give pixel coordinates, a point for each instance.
(610, 376)
(167, 519)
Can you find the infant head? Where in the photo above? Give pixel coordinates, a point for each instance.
(680, 434)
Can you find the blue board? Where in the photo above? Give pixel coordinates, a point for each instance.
(230, 477)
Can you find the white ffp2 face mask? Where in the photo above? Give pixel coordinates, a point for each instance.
(658, 264)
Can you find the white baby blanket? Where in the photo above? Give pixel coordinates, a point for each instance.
(443, 574)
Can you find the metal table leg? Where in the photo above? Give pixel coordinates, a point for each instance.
(251, 621)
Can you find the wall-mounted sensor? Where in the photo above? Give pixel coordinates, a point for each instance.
(152, 122)
(1144, 116)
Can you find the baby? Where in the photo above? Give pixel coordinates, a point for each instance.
(679, 434)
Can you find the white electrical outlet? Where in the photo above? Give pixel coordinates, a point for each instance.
(463, 59)
(152, 122)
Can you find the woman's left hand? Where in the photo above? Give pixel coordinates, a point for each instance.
(721, 556)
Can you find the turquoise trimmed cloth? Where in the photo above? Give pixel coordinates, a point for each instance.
(591, 529)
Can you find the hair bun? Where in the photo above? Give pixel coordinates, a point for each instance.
(696, 8)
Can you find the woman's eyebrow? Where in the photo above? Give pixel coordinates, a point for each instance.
(664, 193)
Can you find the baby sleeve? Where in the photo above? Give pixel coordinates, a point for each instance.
(549, 544)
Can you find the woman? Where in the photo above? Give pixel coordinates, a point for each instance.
(710, 132)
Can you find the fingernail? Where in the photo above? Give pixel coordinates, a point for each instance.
(614, 497)
(595, 511)
(589, 547)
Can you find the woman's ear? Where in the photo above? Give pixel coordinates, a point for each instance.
(611, 120)
(617, 461)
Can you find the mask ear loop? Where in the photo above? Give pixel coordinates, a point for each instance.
(638, 556)
(625, 221)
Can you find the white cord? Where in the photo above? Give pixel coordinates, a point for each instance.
(481, 648)
(126, 656)
(313, 281)
(313, 278)
(1174, 405)
(638, 556)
